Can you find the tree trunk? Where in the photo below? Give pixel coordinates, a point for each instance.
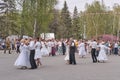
(35, 28)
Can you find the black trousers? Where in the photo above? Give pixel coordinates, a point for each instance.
(32, 60)
(93, 51)
(72, 57)
(63, 50)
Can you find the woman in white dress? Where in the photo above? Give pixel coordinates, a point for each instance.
(82, 49)
(23, 58)
(38, 54)
(67, 53)
(102, 53)
(44, 49)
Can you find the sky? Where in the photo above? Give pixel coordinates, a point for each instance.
(81, 4)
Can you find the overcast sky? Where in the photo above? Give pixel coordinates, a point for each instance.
(81, 4)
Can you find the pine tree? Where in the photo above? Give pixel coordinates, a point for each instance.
(66, 21)
(75, 24)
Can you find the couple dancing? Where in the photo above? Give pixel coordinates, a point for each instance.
(30, 54)
(70, 52)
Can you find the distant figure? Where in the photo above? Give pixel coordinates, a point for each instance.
(7, 42)
(72, 52)
(18, 46)
(82, 49)
(63, 47)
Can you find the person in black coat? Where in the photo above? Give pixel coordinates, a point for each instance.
(72, 53)
(63, 47)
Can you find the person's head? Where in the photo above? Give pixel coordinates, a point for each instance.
(37, 39)
(22, 41)
(71, 39)
(27, 42)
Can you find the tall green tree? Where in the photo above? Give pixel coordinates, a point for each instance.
(96, 18)
(36, 15)
(66, 21)
(8, 18)
(76, 24)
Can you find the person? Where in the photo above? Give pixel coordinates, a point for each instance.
(102, 53)
(18, 46)
(82, 49)
(44, 49)
(116, 48)
(72, 52)
(53, 48)
(7, 46)
(23, 58)
(67, 53)
(63, 47)
(38, 54)
(93, 51)
(32, 54)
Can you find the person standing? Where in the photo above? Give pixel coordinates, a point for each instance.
(82, 49)
(18, 46)
(63, 47)
(38, 54)
(72, 52)
(7, 46)
(116, 48)
(93, 51)
(32, 54)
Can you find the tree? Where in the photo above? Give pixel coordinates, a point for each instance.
(97, 20)
(55, 25)
(36, 15)
(75, 24)
(8, 18)
(66, 21)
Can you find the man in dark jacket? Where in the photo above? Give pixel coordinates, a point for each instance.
(72, 52)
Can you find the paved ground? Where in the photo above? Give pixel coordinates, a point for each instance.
(54, 68)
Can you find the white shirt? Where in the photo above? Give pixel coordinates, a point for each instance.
(32, 45)
(115, 45)
(94, 44)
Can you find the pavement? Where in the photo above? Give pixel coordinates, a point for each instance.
(54, 68)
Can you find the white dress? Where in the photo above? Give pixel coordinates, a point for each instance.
(23, 58)
(37, 50)
(102, 53)
(44, 49)
(67, 53)
(81, 48)
(49, 46)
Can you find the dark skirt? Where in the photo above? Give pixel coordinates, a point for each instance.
(53, 51)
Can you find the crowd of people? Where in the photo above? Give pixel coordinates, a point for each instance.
(32, 50)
